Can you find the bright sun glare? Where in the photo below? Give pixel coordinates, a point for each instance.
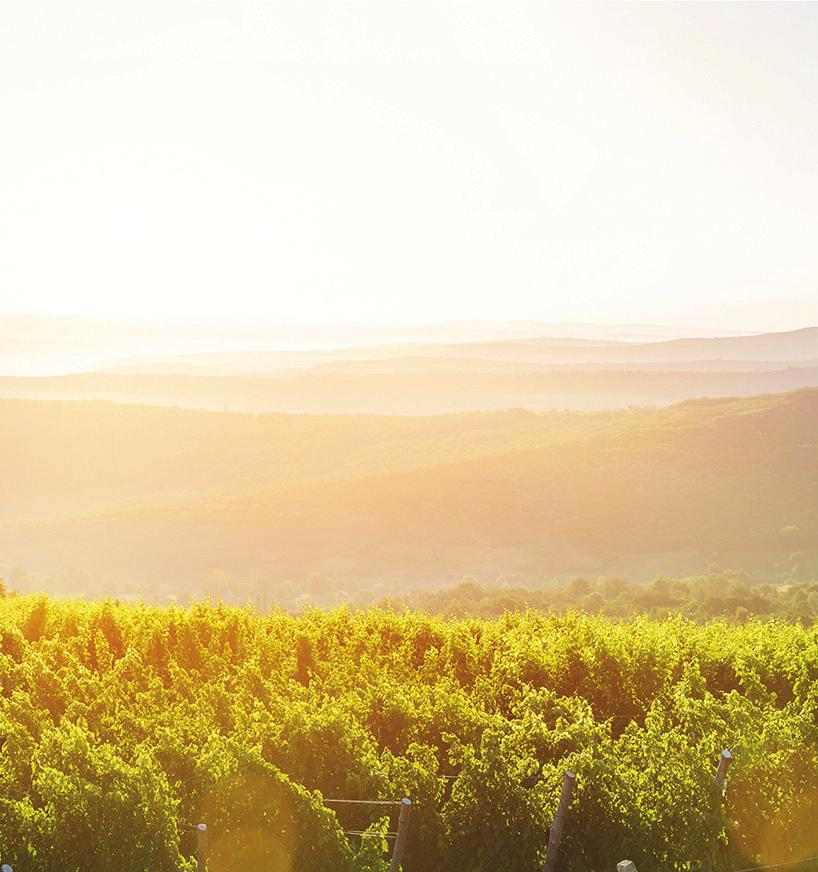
(410, 162)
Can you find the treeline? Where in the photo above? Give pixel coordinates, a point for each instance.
(730, 596)
(120, 725)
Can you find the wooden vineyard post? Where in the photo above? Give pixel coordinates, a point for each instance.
(403, 832)
(201, 847)
(721, 786)
(555, 836)
(721, 772)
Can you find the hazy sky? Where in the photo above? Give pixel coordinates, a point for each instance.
(410, 161)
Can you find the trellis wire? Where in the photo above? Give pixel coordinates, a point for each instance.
(405, 806)
(779, 865)
(365, 801)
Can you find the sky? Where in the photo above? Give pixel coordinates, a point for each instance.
(409, 162)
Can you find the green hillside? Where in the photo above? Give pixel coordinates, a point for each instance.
(637, 493)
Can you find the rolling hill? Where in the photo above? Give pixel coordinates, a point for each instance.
(637, 492)
(789, 347)
(437, 389)
(425, 379)
(46, 344)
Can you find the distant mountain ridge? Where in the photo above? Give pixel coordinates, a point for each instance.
(787, 347)
(421, 378)
(456, 385)
(50, 345)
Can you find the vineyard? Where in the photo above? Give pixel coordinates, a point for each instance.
(121, 726)
(408, 436)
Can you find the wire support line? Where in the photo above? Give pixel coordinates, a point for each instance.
(779, 865)
(364, 801)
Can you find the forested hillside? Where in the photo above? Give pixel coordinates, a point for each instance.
(409, 501)
(64, 458)
(121, 725)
